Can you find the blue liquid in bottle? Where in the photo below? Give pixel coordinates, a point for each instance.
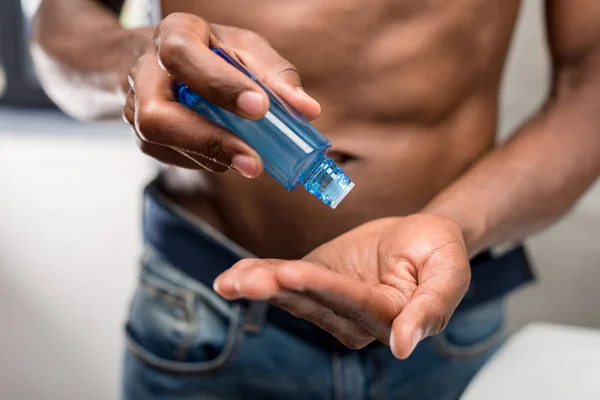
(292, 150)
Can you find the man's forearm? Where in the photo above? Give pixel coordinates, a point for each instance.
(534, 178)
(82, 56)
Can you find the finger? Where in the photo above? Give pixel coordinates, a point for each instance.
(245, 280)
(129, 108)
(201, 161)
(371, 307)
(165, 155)
(177, 158)
(182, 46)
(347, 332)
(254, 279)
(162, 153)
(431, 306)
(160, 120)
(279, 75)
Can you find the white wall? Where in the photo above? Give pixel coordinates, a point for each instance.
(567, 256)
(69, 241)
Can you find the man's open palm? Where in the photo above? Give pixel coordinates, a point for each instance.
(396, 280)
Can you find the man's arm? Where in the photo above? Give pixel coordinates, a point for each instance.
(400, 279)
(84, 80)
(548, 164)
(86, 61)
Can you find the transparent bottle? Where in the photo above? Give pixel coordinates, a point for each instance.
(292, 150)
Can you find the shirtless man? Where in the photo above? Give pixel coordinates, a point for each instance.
(407, 91)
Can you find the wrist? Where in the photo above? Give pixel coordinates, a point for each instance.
(135, 42)
(471, 225)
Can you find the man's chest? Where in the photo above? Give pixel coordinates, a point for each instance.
(328, 34)
(387, 51)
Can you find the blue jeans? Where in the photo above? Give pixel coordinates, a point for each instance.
(186, 342)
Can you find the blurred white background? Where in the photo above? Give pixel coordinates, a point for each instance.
(70, 204)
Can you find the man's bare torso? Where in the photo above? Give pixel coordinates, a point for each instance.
(409, 93)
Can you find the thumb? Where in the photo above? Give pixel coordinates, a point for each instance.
(424, 315)
(430, 308)
(283, 78)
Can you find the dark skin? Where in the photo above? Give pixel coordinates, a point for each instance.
(408, 93)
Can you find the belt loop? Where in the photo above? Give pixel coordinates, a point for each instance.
(256, 313)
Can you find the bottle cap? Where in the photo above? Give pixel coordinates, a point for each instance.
(329, 183)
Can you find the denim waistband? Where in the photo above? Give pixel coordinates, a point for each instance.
(188, 243)
(493, 277)
(193, 246)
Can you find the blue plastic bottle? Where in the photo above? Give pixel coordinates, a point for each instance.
(292, 150)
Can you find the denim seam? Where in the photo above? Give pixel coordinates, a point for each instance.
(256, 314)
(151, 257)
(447, 349)
(177, 299)
(234, 341)
(184, 345)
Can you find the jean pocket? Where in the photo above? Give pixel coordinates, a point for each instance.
(472, 333)
(179, 330)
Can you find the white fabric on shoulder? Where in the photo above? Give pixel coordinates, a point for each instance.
(155, 12)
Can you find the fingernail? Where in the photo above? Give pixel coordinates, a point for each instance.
(245, 165)
(216, 286)
(416, 337)
(392, 342)
(251, 103)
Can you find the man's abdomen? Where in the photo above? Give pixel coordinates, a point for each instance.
(409, 97)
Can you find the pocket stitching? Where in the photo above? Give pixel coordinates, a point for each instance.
(449, 350)
(165, 290)
(184, 345)
(235, 337)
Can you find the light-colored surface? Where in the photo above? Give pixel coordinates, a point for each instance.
(69, 240)
(542, 361)
(567, 263)
(567, 256)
